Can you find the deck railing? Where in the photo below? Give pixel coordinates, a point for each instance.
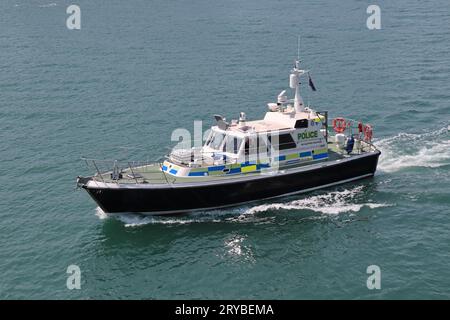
(111, 170)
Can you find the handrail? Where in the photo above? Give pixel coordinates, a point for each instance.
(164, 174)
(98, 171)
(132, 166)
(132, 172)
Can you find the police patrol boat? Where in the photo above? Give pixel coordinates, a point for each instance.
(291, 150)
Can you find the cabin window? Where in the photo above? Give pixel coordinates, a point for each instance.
(232, 144)
(250, 146)
(262, 146)
(247, 147)
(285, 141)
(255, 145)
(255, 148)
(301, 123)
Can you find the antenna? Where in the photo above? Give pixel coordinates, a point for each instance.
(298, 47)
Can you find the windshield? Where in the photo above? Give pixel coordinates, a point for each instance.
(215, 140)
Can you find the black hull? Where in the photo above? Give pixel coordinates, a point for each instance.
(189, 198)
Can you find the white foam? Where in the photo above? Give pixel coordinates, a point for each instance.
(137, 220)
(101, 214)
(331, 203)
(235, 245)
(429, 149)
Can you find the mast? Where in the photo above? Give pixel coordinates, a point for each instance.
(294, 83)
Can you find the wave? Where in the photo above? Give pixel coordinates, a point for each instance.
(330, 203)
(136, 219)
(404, 150)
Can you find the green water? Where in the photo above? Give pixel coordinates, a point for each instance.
(137, 70)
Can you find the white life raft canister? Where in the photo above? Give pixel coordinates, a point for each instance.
(340, 140)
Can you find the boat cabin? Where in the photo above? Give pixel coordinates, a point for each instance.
(281, 138)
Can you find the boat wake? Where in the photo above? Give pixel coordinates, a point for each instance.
(136, 219)
(404, 150)
(330, 203)
(327, 203)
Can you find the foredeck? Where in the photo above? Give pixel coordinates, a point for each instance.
(152, 173)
